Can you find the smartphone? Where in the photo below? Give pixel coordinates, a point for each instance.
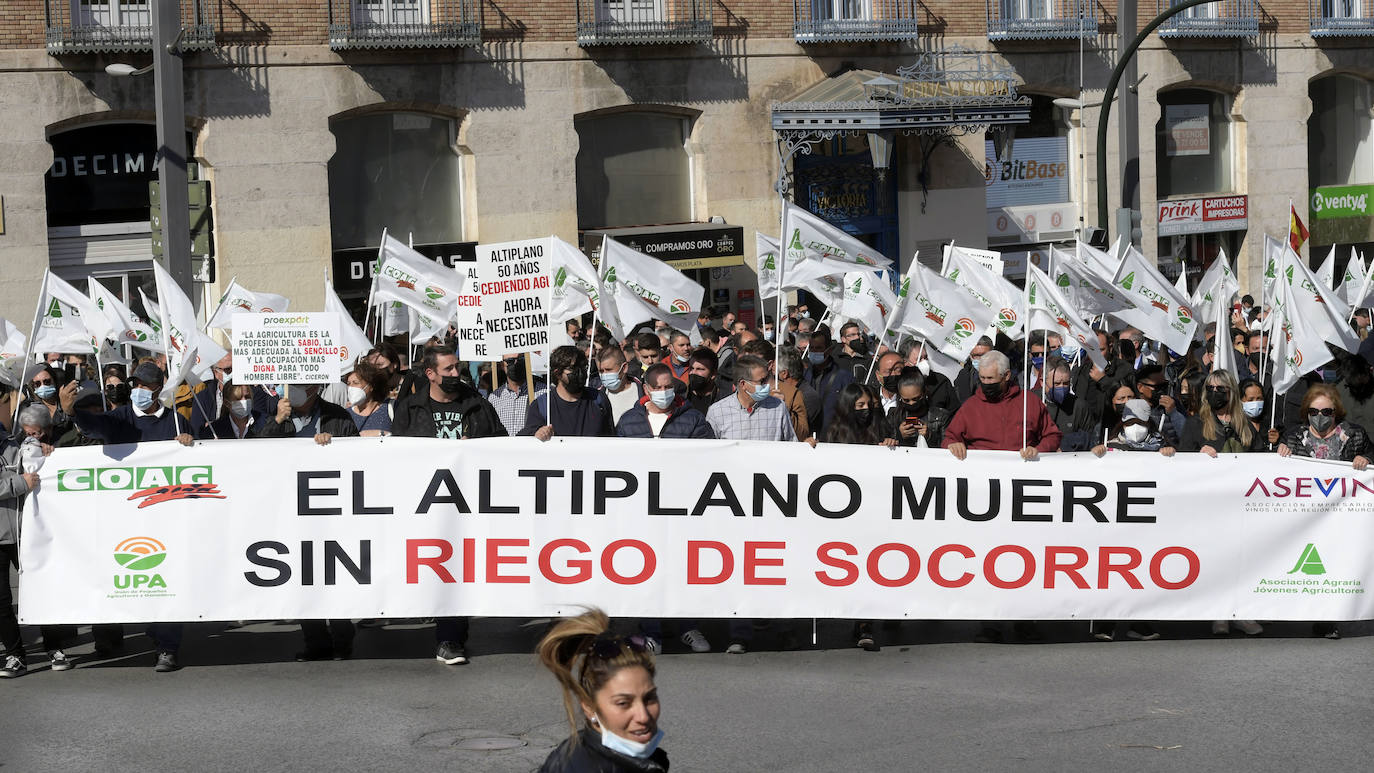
(75, 372)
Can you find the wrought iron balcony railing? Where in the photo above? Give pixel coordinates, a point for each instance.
(1041, 19)
(101, 26)
(843, 21)
(404, 24)
(638, 22)
(1342, 18)
(1223, 19)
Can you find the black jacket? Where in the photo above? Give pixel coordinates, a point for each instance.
(684, 421)
(333, 420)
(1192, 439)
(587, 416)
(588, 755)
(936, 419)
(412, 417)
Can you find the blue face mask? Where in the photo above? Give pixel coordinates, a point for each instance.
(761, 392)
(625, 746)
(1058, 394)
(662, 398)
(142, 398)
(611, 381)
(1038, 361)
(45, 392)
(1056, 352)
(974, 362)
(816, 358)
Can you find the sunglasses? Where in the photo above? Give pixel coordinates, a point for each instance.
(1150, 384)
(1220, 390)
(607, 647)
(1321, 411)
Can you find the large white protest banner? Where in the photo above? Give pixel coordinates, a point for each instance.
(294, 348)
(514, 285)
(411, 527)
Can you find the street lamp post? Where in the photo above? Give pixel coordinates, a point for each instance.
(170, 101)
(1127, 55)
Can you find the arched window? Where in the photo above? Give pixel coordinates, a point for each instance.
(1193, 145)
(633, 169)
(395, 170)
(1339, 146)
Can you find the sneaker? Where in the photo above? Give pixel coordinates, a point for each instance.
(1142, 632)
(60, 661)
(1326, 630)
(736, 648)
(1103, 631)
(14, 666)
(166, 661)
(864, 638)
(1249, 627)
(1221, 628)
(696, 640)
(451, 654)
(653, 646)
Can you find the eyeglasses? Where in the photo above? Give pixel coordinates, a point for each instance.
(42, 382)
(1219, 390)
(1150, 384)
(1321, 411)
(607, 647)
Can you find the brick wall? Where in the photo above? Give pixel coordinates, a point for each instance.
(22, 24)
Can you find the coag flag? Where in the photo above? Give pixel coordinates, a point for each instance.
(406, 276)
(1049, 308)
(816, 239)
(991, 290)
(1310, 307)
(353, 341)
(1161, 312)
(769, 257)
(1090, 293)
(1354, 283)
(1326, 272)
(129, 329)
(71, 323)
(663, 292)
(868, 299)
(1217, 287)
(944, 314)
(576, 286)
(190, 353)
(238, 298)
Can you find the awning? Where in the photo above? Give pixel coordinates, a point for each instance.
(682, 246)
(955, 90)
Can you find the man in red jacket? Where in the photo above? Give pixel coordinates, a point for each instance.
(991, 420)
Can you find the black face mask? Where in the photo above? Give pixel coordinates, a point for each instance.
(859, 346)
(1218, 400)
(890, 383)
(515, 370)
(117, 393)
(576, 379)
(697, 383)
(993, 392)
(450, 385)
(919, 407)
(863, 416)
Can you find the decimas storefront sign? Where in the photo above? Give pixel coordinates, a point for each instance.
(1196, 216)
(295, 348)
(410, 527)
(514, 285)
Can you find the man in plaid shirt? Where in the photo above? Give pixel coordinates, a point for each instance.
(752, 413)
(511, 399)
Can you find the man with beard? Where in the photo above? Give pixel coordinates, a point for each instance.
(569, 409)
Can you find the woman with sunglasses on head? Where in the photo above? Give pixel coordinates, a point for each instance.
(610, 678)
(1325, 434)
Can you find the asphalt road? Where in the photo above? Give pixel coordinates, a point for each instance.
(931, 700)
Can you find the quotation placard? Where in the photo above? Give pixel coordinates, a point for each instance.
(295, 348)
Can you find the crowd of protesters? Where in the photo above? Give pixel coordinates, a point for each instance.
(1034, 396)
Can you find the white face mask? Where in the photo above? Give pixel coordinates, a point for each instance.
(924, 367)
(357, 395)
(661, 398)
(240, 408)
(627, 747)
(1253, 408)
(1136, 433)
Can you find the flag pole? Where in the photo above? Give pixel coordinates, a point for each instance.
(218, 308)
(28, 347)
(1364, 288)
(372, 288)
(1025, 361)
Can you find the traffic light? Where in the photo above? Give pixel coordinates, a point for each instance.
(202, 221)
(1128, 224)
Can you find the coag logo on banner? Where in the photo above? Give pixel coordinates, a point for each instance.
(138, 557)
(153, 485)
(1309, 566)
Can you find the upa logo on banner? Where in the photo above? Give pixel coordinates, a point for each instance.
(1302, 580)
(153, 485)
(138, 557)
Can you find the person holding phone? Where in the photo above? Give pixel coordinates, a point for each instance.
(915, 422)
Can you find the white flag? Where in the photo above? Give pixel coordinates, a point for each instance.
(1223, 352)
(238, 298)
(1218, 281)
(1089, 292)
(819, 240)
(576, 287)
(129, 329)
(1313, 308)
(154, 315)
(424, 327)
(1357, 282)
(352, 340)
(1273, 257)
(179, 333)
(1161, 313)
(666, 293)
(1181, 284)
(991, 290)
(942, 313)
(868, 299)
(71, 323)
(769, 256)
(395, 319)
(1104, 264)
(1049, 309)
(1326, 272)
(13, 344)
(407, 276)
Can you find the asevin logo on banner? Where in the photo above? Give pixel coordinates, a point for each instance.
(153, 485)
(1308, 568)
(138, 557)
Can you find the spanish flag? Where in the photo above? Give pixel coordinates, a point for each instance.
(1297, 232)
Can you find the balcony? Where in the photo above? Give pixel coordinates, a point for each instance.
(640, 22)
(1224, 19)
(1041, 19)
(1341, 18)
(845, 21)
(356, 24)
(107, 26)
